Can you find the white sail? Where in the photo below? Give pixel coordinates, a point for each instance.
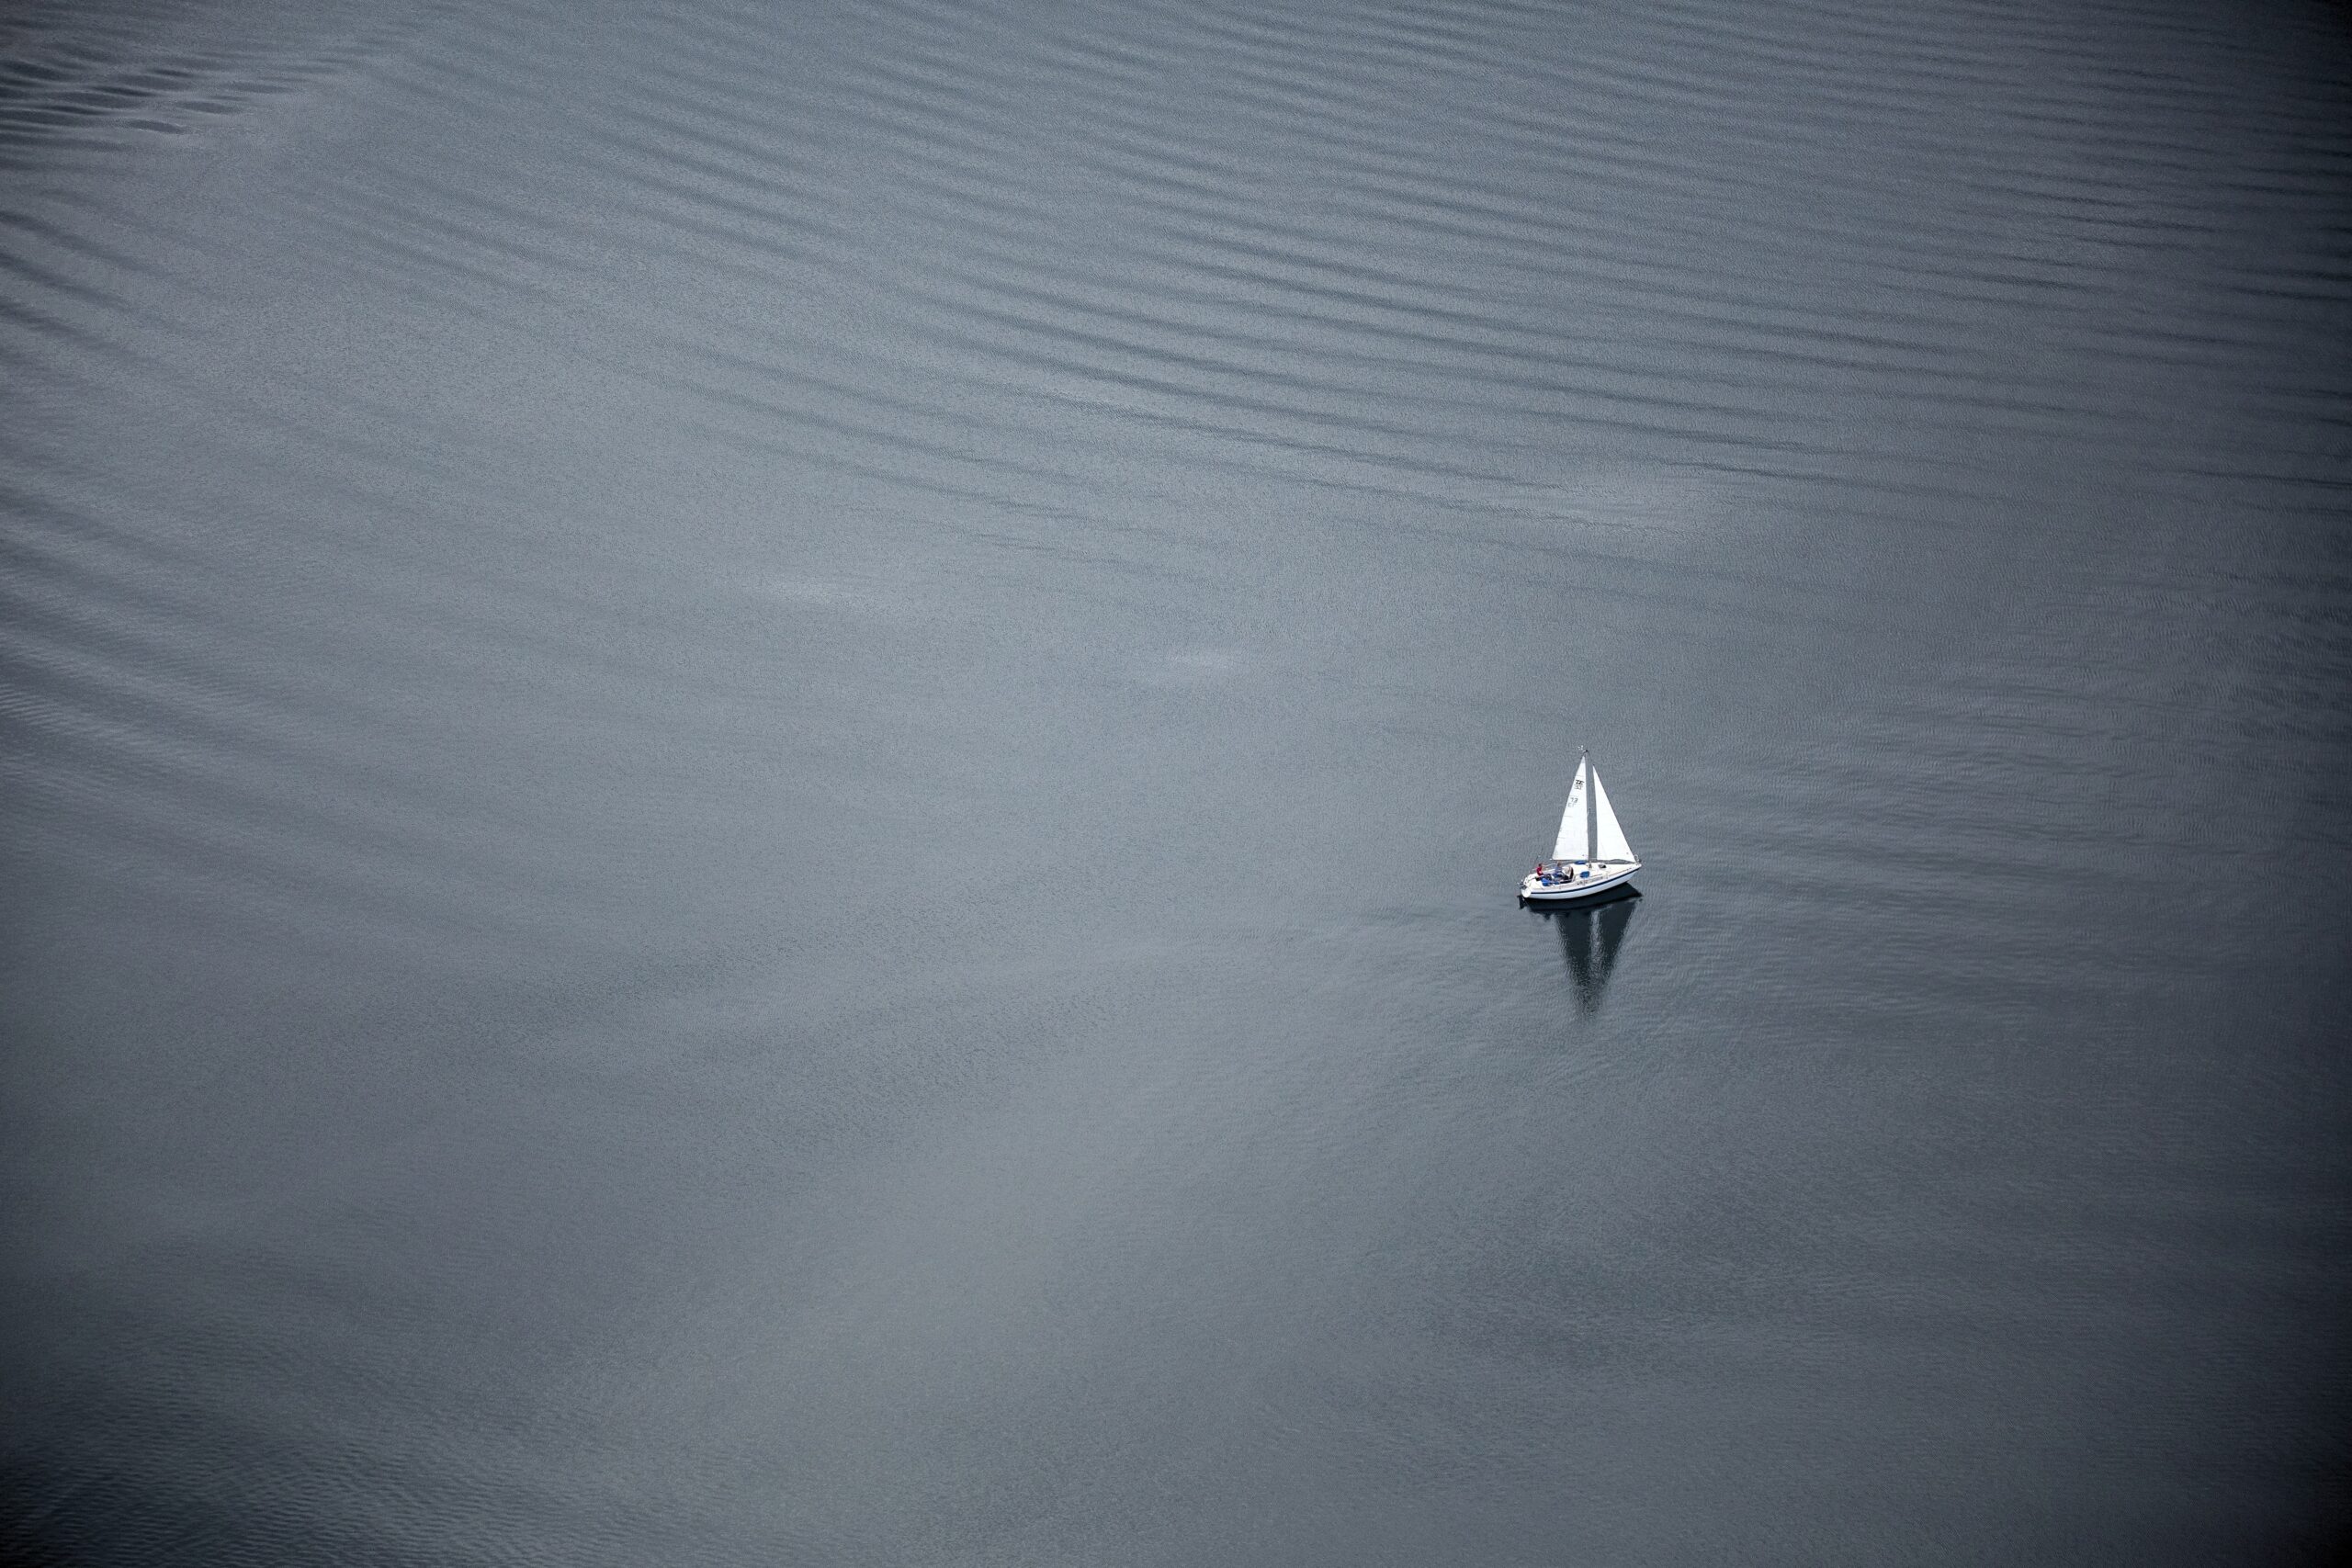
(1572, 844)
(1611, 844)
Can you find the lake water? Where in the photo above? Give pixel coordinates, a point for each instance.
(762, 768)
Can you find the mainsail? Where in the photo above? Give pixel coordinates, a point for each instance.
(1610, 840)
(1574, 844)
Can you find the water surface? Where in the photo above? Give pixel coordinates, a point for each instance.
(763, 767)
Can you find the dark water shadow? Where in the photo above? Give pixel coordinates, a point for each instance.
(1591, 935)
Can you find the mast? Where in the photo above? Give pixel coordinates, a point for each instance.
(1591, 812)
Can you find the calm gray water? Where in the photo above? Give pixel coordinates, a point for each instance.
(762, 765)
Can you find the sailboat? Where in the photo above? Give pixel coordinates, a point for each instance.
(1590, 855)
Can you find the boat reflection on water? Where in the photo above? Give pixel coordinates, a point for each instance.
(1590, 935)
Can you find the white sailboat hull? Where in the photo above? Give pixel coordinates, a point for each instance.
(1583, 883)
